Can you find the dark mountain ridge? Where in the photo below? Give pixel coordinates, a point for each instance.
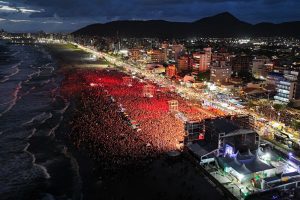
(220, 25)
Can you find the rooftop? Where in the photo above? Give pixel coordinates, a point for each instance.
(222, 125)
(251, 165)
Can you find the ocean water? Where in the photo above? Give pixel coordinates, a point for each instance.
(34, 164)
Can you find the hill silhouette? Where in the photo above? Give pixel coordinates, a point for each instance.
(220, 25)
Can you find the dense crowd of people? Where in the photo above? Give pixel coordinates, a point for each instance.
(101, 130)
(117, 125)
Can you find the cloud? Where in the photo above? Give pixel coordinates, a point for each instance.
(75, 13)
(8, 9)
(19, 20)
(52, 22)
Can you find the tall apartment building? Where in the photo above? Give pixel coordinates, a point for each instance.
(220, 73)
(240, 64)
(288, 87)
(177, 49)
(134, 54)
(261, 66)
(201, 62)
(208, 53)
(157, 56)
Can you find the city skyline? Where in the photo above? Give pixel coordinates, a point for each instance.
(67, 16)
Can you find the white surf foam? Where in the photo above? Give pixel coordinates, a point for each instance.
(6, 78)
(2, 104)
(47, 66)
(14, 100)
(40, 118)
(41, 167)
(45, 82)
(52, 131)
(27, 92)
(62, 111)
(30, 76)
(14, 54)
(32, 133)
(16, 65)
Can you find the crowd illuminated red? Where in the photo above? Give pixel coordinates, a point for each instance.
(148, 121)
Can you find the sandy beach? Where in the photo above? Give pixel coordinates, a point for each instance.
(162, 177)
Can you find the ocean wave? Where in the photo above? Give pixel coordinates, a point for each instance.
(15, 53)
(8, 102)
(10, 145)
(16, 65)
(77, 181)
(6, 78)
(14, 100)
(30, 76)
(45, 82)
(48, 196)
(40, 118)
(27, 92)
(43, 169)
(26, 147)
(53, 93)
(17, 134)
(32, 133)
(19, 173)
(52, 130)
(62, 111)
(46, 66)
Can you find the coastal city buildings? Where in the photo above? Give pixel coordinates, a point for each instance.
(238, 111)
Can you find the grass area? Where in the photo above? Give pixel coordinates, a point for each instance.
(71, 46)
(70, 54)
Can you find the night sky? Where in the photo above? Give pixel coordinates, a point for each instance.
(69, 15)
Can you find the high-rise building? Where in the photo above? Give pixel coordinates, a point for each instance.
(220, 73)
(261, 66)
(183, 63)
(208, 54)
(218, 56)
(165, 45)
(135, 54)
(288, 87)
(177, 49)
(240, 64)
(201, 62)
(157, 56)
(165, 49)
